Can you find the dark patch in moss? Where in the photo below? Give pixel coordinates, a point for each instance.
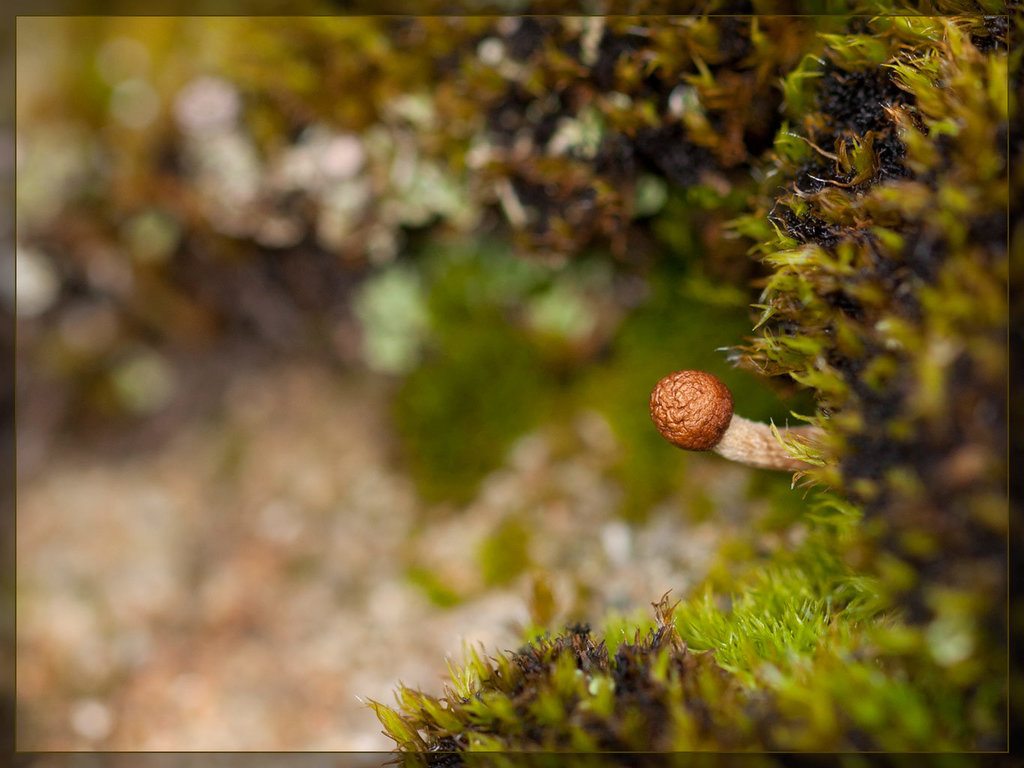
(734, 8)
(612, 47)
(667, 149)
(844, 303)
(897, 280)
(924, 253)
(806, 229)
(989, 231)
(1002, 143)
(505, 116)
(616, 158)
(527, 38)
(890, 152)
(572, 48)
(945, 147)
(534, 659)
(997, 31)
(733, 41)
(811, 177)
(538, 199)
(764, 122)
(444, 753)
(854, 100)
(168, 159)
(578, 628)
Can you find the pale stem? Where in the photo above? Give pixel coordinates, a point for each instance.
(753, 443)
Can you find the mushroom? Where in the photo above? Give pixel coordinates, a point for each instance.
(693, 410)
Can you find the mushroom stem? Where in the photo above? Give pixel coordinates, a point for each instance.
(753, 443)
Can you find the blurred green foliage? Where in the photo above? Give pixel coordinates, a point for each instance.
(197, 179)
(482, 383)
(504, 553)
(495, 367)
(439, 593)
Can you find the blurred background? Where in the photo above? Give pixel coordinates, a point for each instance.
(334, 352)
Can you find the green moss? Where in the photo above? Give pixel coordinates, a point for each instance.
(860, 159)
(484, 380)
(569, 692)
(882, 232)
(459, 412)
(658, 690)
(439, 593)
(800, 657)
(897, 330)
(504, 554)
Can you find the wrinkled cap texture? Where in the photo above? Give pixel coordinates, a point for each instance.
(691, 409)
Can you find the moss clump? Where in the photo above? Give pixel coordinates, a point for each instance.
(582, 110)
(888, 297)
(800, 656)
(882, 224)
(571, 692)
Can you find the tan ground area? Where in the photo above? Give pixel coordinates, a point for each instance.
(240, 586)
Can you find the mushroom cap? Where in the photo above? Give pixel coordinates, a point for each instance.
(691, 409)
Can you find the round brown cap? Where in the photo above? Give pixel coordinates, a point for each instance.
(691, 409)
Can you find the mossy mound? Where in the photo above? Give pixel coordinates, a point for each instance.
(793, 666)
(882, 222)
(572, 692)
(889, 297)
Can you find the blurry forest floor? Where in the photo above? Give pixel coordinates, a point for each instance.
(239, 582)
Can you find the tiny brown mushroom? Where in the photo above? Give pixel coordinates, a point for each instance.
(693, 410)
